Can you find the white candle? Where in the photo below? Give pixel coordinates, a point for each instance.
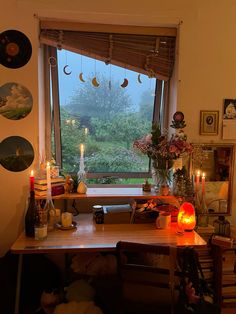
(197, 180)
(203, 183)
(81, 150)
(66, 219)
(48, 178)
(86, 131)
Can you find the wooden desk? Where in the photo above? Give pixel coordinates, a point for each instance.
(90, 237)
(94, 237)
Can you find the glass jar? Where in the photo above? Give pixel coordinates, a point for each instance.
(98, 214)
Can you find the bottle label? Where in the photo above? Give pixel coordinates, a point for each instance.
(40, 232)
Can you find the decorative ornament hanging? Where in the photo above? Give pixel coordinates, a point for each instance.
(125, 82)
(81, 77)
(65, 71)
(52, 61)
(81, 71)
(94, 80)
(109, 83)
(139, 79)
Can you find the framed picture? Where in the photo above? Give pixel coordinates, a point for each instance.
(209, 122)
(229, 109)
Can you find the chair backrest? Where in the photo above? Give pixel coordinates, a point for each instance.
(148, 273)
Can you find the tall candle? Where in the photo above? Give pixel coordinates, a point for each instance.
(48, 178)
(81, 150)
(197, 180)
(32, 180)
(203, 183)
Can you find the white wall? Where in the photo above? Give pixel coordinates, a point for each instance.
(206, 70)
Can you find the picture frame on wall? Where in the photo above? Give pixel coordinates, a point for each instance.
(209, 122)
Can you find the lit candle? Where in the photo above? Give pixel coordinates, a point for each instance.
(81, 150)
(48, 178)
(32, 180)
(203, 183)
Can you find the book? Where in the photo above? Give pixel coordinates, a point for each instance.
(56, 190)
(53, 180)
(43, 187)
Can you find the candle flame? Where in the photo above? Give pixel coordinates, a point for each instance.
(198, 173)
(32, 173)
(203, 175)
(48, 164)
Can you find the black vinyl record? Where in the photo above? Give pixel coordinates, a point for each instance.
(16, 153)
(15, 49)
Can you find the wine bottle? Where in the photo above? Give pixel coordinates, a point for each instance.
(30, 215)
(40, 227)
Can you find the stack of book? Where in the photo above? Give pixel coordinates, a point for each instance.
(57, 186)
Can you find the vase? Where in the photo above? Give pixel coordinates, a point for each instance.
(162, 179)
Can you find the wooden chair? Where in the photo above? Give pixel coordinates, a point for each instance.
(149, 277)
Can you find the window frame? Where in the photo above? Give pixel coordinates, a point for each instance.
(53, 116)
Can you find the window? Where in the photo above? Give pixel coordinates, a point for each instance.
(105, 105)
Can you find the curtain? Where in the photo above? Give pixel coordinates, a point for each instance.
(149, 51)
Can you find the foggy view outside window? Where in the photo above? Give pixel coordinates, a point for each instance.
(106, 108)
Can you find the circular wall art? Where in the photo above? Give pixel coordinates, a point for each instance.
(15, 49)
(16, 101)
(16, 153)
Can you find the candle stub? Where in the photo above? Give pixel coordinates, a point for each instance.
(66, 219)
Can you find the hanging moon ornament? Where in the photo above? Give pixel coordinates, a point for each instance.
(139, 79)
(125, 83)
(94, 82)
(81, 77)
(64, 70)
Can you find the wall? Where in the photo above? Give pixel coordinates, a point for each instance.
(206, 71)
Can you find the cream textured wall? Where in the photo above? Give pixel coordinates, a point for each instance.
(205, 76)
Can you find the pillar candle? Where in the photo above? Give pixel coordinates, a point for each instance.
(81, 150)
(32, 180)
(203, 183)
(48, 178)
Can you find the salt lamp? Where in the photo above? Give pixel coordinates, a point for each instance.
(186, 219)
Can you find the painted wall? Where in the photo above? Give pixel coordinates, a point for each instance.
(206, 71)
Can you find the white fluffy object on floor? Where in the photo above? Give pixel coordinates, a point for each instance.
(73, 307)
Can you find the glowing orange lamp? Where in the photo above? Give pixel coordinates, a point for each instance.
(186, 219)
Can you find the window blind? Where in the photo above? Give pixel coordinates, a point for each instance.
(149, 51)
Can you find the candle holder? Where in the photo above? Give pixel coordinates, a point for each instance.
(81, 175)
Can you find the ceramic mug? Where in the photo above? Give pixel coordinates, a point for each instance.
(163, 220)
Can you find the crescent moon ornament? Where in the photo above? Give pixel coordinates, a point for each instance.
(139, 79)
(125, 83)
(81, 77)
(94, 82)
(64, 70)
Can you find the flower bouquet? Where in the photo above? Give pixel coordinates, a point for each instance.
(163, 151)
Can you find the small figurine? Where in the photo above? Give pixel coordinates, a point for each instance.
(69, 184)
(146, 186)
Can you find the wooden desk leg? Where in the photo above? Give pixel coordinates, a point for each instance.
(18, 284)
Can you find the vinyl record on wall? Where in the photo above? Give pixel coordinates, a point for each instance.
(16, 153)
(15, 49)
(16, 101)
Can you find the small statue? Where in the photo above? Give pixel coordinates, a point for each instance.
(69, 184)
(146, 186)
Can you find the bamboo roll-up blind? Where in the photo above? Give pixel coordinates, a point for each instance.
(153, 55)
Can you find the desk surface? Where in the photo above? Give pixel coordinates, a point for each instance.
(92, 237)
